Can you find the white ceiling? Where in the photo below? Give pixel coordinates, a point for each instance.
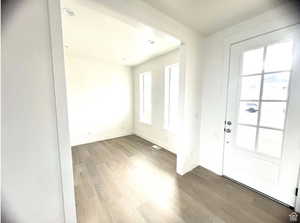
(96, 32)
(209, 16)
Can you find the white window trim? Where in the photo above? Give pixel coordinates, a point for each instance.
(143, 116)
(167, 97)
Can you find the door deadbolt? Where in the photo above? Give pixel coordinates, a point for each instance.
(227, 130)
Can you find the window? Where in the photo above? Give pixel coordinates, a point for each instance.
(171, 96)
(145, 97)
(264, 97)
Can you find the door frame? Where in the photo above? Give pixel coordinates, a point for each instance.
(62, 123)
(228, 43)
(60, 91)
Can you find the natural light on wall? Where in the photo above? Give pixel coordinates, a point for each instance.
(145, 83)
(171, 97)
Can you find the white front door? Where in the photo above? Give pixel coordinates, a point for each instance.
(262, 127)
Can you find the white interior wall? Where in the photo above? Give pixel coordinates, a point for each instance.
(99, 99)
(191, 66)
(31, 174)
(33, 119)
(155, 132)
(215, 79)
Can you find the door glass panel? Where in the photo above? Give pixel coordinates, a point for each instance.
(279, 57)
(253, 61)
(273, 114)
(245, 137)
(270, 142)
(250, 88)
(248, 113)
(276, 86)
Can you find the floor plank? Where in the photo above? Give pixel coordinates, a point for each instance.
(124, 180)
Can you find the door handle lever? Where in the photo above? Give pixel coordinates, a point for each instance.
(252, 110)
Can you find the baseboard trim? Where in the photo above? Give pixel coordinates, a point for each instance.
(184, 170)
(157, 142)
(103, 139)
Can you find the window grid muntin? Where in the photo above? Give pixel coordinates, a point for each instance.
(260, 101)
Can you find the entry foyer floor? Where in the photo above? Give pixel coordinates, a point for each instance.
(124, 180)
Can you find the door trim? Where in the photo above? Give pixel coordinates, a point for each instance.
(228, 43)
(59, 85)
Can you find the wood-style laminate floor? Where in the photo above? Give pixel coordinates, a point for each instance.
(124, 180)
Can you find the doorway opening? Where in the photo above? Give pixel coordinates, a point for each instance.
(123, 84)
